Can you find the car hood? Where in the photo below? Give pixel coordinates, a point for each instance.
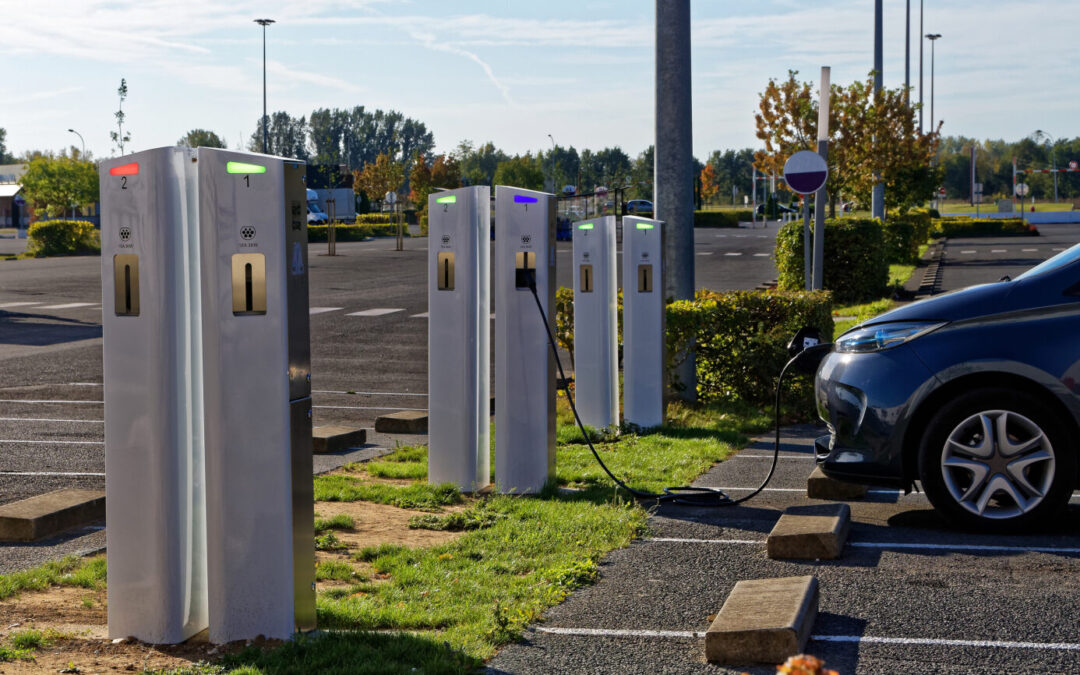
(955, 306)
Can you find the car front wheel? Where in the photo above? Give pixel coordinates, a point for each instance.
(996, 459)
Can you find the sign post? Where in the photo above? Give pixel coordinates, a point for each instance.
(805, 173)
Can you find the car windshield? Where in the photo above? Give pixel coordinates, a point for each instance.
(314, 207)
(1058, 261)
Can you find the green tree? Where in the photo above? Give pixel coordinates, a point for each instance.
(120, 137)
(522, 171)
(5, 158)
(58, 184)
(641, 174)
(869, 132)
(201, 138)
(287, 138)
(379, 177)
(478, 164)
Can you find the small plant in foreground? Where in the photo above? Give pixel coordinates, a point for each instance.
(329, 542)
(341, 521)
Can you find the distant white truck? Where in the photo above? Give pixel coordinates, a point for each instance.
(344, 204)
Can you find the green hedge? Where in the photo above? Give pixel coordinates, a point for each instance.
(317, 233)
(721, 218)
(740, 338)
(62, 237)
(905, 233)
(374, 218)
(983, 227)
(856, 268)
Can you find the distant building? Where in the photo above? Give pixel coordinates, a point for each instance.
(10, 206)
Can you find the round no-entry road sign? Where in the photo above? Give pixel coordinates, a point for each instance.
(1021, 189)
(805, 172)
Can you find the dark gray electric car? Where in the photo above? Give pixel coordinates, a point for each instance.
(975, 394)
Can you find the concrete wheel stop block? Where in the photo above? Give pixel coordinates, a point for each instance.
(336, 439)
(44, 515)
(403, 422)
(820, 486)
(815, 532)
(763, 621)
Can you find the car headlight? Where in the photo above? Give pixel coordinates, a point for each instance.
(883, 336)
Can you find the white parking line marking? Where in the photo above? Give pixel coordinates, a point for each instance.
(782, 456)
(54, 442)
(70, 305)
(890, 545)
(378, 311)
(722, 236)
(48, 419)
(994, 644)
(769, 489)
(19, 304)
(705, 252)
(762, 236)
(322, 310)
(740, 236)
(422, 315)
(1028, 250)
(607, 632)
(50, 473)
(733, 254)
(1057, 249)
(31, 400)
(760, 255)
(367, 393)
(967, 252)
(998, 250)
(851, 639)
(358, 407)
(84, 384)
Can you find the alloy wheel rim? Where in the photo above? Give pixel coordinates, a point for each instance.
(998, 464)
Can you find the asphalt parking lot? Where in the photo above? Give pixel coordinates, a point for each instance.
(909, 594)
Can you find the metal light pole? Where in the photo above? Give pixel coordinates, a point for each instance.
(877, 197)
(81, 141)
(907, 56)
(920, 63)
(932, 37)
(266, 122)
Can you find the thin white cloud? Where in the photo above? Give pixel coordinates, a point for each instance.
(430, 42)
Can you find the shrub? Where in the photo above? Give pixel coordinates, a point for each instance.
(905, 233)
(721, 218)
(856, 269)
(374, 219)
(62, 237)
(983, 227)
(317, 233)
(740, 340)
(740, 337)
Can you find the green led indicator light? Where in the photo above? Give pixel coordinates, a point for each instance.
(450, 199)
(243, 167)
(644, 226)
(585, 226)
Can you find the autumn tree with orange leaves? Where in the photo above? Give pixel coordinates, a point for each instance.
(787, 122)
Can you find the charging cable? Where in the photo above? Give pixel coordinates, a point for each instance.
(690, 495)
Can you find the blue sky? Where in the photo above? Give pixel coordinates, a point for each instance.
(508, 71)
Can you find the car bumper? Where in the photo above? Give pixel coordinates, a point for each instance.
(866, 400)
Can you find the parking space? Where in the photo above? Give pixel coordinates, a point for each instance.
(978, 260)
(909, 594)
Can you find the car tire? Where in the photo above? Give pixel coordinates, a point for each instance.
(977, 482)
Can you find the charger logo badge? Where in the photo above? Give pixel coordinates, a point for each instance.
(526, 239)
(125, 233)
(446, 239)
(247, 232)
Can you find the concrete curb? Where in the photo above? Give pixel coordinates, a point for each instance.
(403, 422)
(336, 438)
(763, 621)
(810, 532)
(48, 514)
(820, 486)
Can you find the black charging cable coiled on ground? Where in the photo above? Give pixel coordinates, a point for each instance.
(687, 494)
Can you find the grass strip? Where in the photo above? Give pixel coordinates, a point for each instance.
(419, 496)
(70, 571)
(342, 521)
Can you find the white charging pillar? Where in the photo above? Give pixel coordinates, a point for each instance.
(643, 322)
(153, 397)
(459, 328)
(260, 552)
(524, 368)
(596, 322)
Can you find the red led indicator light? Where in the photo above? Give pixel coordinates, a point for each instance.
(125, 170)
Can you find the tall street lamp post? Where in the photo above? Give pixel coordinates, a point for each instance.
(266, 122)
(932, 37)
(81, 141)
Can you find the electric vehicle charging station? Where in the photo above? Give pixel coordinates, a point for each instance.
(524, 367)
(643, 321)
(459, 329)
(153, 397)
(596, 338)
(256, 352)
